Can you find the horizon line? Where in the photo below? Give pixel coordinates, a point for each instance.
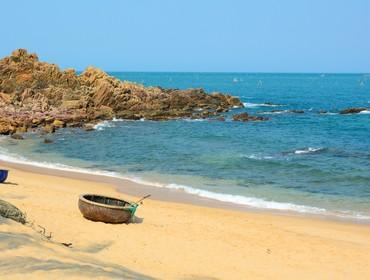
(233, 72)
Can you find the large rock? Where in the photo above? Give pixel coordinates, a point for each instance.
(245, 117)
(6, 127)
(49, 128)
(34, 94)
(59, 123)
(353, 110)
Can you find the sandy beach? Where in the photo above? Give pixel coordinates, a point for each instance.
(170, 240)
(185, 140)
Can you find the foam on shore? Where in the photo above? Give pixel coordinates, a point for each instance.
(256, 105)
(102, 125)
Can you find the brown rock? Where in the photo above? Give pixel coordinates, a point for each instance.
(244, 117)
(36, 122)
(103, 113)
(71, 104)
(297, 111)
(59, 123)
(89, 126)
(6, 128)
(353, 110)
(49, 128)
(4, 98)
(38, 94)
(48, 141)
(22, 129)
(17, 136)
(219, 110)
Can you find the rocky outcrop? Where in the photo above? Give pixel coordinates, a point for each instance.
(245, 117)
(353, 110)
(37, 94)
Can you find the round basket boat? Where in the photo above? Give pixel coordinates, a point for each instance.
(3, 175)
(106, 209)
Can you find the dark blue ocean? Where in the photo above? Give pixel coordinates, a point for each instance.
(309, 162)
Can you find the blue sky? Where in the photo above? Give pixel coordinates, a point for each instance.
(192, 35)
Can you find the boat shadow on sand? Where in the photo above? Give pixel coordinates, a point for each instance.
(10, 183)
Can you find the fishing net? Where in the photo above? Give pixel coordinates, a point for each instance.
(9, 211)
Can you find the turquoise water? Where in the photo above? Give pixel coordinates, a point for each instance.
(316, 163)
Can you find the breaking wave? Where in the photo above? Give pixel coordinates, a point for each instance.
(256, 105)
(103, 125)
(257, 157)
(253, 202)
(309, 150)
(365, 112)
(275, 112)
(329, 113)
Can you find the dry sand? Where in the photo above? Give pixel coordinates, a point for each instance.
(172, 241)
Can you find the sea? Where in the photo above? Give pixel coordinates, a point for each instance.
(316, 162)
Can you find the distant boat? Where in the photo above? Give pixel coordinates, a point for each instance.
(3, 175)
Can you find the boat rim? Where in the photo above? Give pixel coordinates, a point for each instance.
(82, 197)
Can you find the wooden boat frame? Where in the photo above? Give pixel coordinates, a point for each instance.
(111, 210)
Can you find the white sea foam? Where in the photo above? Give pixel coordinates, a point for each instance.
(193, 120)
(329, 113)
(223, 197)
(4, 156)
(235, 199)
(198, 109)
(102, 125)
(275, 112)
(256, 105)
(308, 150)
(258, 157)
(365, 112)
(118, 120)
(129, 120)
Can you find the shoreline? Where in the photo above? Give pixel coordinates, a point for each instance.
(132, 188)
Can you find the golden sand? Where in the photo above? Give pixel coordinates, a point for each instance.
(172, 241)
